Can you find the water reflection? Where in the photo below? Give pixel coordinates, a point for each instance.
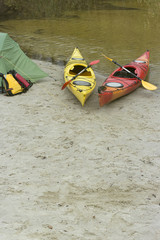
(40, 9)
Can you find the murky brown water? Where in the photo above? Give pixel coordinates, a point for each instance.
(122, 33)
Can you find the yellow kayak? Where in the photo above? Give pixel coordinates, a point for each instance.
(83, 85)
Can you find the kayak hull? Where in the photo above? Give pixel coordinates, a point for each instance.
(83, 85)
(121, 83)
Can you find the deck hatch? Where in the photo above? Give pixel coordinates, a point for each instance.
(114, 84)
(82, 83)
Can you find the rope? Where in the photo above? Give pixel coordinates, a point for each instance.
(16, 67)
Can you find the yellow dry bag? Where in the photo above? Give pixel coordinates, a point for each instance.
(12, 87)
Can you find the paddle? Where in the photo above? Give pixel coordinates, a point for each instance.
(145, 84)
(83, 70)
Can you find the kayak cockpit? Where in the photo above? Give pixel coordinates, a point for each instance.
(124, 74)
(78, 68)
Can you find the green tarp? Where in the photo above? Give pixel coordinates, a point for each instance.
(12, 57)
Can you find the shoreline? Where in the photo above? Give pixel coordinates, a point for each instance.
(73, 172)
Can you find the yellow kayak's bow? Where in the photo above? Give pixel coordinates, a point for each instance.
(83, 85)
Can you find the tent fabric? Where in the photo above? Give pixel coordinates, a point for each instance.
(13, 58)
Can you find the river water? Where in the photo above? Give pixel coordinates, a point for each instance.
(122, 32)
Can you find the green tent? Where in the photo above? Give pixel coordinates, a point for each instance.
(12, 57)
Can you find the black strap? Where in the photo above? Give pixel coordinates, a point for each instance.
(1, 75)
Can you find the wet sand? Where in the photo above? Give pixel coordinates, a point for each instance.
(69, 172)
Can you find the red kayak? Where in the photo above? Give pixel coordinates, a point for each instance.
(121, 82)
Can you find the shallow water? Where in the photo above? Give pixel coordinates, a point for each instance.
(122, 32)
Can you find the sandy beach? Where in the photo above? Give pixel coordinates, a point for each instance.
(69, 172)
